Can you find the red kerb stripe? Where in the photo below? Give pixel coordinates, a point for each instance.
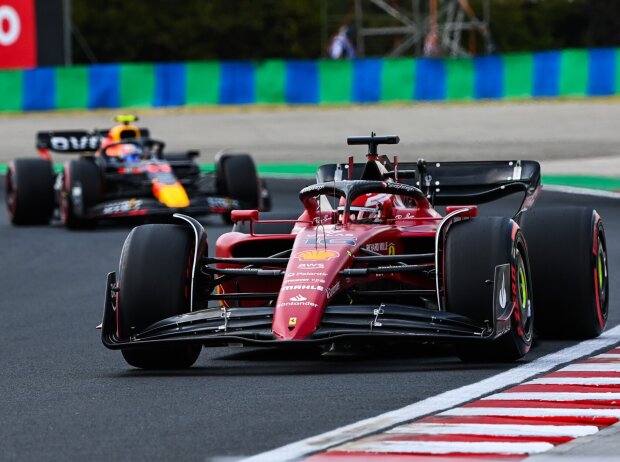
(465, 437)
(561, 388)
(590, 404)
(586, 375)
(356, 456)
(524, 420)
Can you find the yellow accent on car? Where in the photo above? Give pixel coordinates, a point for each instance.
(317, 255)
(172, 195)
(126, 118)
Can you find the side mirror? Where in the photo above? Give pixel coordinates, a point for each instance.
(192, 153)
(244, 215)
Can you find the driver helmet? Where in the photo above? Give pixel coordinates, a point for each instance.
(370, 208)
(125, 152)
(123, 132)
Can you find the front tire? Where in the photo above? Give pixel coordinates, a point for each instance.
(154, 284)
(569, 269)
(29, 191)
(474, 248)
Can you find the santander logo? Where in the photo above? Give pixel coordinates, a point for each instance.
(10, 25)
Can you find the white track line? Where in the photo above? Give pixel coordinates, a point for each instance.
(443, 401)
(581, 191)
(495, 429)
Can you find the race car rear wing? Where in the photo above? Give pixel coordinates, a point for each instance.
(72, 141)
(447, 183)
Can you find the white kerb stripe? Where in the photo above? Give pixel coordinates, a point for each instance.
(495, 429)
(608, 356)
(575, 381)
(532, 412)
(447, 447)
(446, 400)
(592, 367)
(552, 396)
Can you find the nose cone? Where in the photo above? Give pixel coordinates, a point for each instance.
(304, 293)
(171, 195)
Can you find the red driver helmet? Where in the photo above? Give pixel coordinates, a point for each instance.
(370, 208)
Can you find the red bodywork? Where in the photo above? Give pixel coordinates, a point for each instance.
(319, 253)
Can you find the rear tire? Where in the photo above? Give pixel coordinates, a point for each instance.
(29, 191)
(237, 178)
(154, 284)
(85, 176)
(473, 249)
(569, 269)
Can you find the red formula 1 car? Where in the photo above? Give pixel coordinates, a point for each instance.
(369, 260)
(123, 173)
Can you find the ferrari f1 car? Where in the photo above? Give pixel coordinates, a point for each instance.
(370, 259)
(121, 173)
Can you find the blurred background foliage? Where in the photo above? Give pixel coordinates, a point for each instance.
(182, 30)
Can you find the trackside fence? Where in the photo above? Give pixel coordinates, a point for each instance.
(551, 74)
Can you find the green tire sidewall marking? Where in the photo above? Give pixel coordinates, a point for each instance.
(523, 283)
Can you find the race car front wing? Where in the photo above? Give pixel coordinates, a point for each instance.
(252, 326)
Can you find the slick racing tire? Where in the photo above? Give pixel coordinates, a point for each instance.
(237, 178)
(29, 191)
(154, 284)
(473, 250)
(569, 270)
(82, 189)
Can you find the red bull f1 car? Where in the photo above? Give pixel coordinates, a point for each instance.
(370, 259)
(123, 173)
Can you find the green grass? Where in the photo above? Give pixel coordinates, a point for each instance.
(308, 170)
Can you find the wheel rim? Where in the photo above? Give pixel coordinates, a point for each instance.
(523, 298)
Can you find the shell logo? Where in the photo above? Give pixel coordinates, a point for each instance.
(317, 255)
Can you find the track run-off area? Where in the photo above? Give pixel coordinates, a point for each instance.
(66, 397)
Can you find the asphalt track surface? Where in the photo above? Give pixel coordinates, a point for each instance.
(569, 137)
(65, 397)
